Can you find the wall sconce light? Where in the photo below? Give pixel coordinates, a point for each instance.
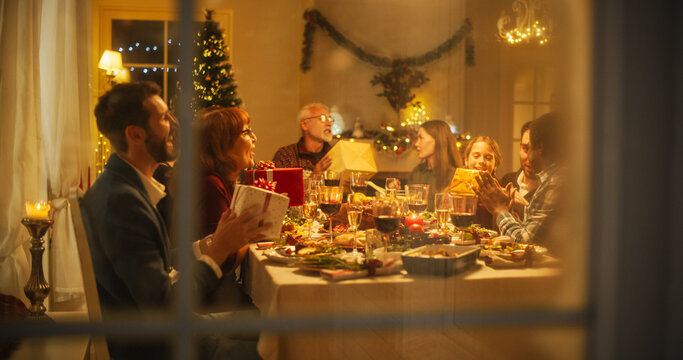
(111, 63)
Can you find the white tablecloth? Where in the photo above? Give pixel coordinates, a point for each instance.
(278, 290)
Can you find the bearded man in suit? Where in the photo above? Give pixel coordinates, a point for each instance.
(128, 238)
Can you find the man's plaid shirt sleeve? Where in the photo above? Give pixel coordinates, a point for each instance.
(542, 206)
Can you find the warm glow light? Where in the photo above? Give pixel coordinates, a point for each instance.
(111, 62)
(37, 211)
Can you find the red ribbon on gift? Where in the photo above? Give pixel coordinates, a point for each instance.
(265, 184)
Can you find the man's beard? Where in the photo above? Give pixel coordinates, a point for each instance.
(157, 148)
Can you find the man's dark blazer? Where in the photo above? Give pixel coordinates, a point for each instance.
(130, 246)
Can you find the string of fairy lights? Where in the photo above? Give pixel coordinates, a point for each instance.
(400, 139)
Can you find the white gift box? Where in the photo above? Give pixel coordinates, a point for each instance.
(273, 204)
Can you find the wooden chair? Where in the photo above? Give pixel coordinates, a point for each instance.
(97, 346)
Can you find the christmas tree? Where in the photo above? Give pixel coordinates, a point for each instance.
(213, 78)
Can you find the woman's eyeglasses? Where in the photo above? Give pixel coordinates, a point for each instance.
(248, 132)
(323, 118)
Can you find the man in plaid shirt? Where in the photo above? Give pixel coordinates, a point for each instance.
(543, 154)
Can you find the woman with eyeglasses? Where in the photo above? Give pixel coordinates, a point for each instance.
(226, 148)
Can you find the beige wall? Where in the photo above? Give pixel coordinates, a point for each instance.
(392, 28)
(266, 51)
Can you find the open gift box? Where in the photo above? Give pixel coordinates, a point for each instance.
(273, 204)
(350, 156)
(289, 181)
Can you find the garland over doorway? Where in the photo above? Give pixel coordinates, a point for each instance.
(398, 81)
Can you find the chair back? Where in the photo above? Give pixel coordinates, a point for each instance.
(97, 347)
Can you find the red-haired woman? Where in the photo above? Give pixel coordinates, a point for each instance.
(226, 148)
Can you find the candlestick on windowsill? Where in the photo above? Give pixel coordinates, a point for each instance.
(37, 222)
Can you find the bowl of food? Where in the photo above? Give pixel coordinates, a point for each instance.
(439, 260)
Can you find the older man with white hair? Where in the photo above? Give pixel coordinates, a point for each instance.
(310, 152)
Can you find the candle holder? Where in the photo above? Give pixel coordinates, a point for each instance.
(37, 288)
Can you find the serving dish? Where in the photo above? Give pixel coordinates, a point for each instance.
(439, 260)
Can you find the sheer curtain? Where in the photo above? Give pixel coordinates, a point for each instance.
(44, 130)
(64, 79)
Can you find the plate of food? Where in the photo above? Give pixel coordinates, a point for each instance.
(475, 234)
(346, 240)
(283, 254)
(503, 252)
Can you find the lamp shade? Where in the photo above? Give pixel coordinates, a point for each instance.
(111, 61)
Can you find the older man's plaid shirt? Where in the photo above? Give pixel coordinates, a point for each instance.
(542, 207)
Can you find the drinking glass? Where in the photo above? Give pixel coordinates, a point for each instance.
(462, 212)
(313, 181)
(417, 195)
(392, 185)
(386, 214)
(373, 241)
(354, 213)
(442, 207)
(358, 182)
(310, 208)
(329, 201)
(331, 178)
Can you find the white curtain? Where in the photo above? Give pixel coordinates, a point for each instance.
(44, 131)
(64, 79)
(20, 137)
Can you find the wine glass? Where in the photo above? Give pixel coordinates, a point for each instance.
(358, 182)
(392, 185)
(313, 181)
(310, 208)
(442, 207)
(417, 195)
(462, 212)
(329, 201)
(354, 212)
(331, 178)
(386, 214)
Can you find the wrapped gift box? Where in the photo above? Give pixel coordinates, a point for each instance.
(289, 182)
(464, 181)
(274, 204)
(350, 156)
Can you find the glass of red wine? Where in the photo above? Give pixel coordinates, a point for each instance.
(417, 195)
(463, 208)
(358, 182)
(387, 215)
(329, 201)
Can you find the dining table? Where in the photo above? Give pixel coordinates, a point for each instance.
(283, 291)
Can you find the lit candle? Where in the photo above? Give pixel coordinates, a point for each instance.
(414, 219)
(37, 211)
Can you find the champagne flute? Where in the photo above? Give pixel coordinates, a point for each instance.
(442, 206)
(463, 210)
(310, 208)
(417, 195)
(329, 201)
(354, 212)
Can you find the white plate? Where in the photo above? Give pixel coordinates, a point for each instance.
(273, 255)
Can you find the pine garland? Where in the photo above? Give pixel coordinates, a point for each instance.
(314, 18)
